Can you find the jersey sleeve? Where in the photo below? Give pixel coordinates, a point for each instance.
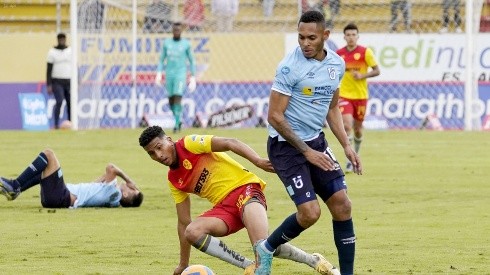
(163, 55)
(50, 57)
(370, 59)
(198, 144)
(284, 80)
(192, 62)
(179, 196)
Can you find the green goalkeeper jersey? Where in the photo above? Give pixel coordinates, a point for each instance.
(176, 52)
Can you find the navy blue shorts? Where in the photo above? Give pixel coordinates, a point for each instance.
(54, 193)
(302, 179)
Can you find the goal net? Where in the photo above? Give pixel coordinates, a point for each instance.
(420, 45)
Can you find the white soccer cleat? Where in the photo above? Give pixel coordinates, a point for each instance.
(250, 270)
(323, 266)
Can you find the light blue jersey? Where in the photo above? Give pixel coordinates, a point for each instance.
(177, 53)
(310, 84)
(96, 194)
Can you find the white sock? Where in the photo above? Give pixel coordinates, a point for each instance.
(287, 251)
(216, 248)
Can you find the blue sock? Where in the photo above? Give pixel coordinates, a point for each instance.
(345, 240)
(288, 230)
(33, 172)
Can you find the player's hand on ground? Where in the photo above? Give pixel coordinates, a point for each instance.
(320, 159)
(179, 269)
(354, 158)
(158, 79)
(192, 84)
(265, 165)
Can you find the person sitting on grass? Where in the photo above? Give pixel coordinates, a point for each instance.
(46, 171)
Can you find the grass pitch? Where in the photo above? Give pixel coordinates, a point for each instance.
(421, 207)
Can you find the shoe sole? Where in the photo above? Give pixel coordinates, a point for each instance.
(331, 270)
(4, 192)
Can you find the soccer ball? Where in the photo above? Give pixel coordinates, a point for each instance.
(197, 270)
(66, 125)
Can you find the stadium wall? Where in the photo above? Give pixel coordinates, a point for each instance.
(421, 75)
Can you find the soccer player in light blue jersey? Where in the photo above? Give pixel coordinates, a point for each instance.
(176, 52)
(46, 171)
(305, 93)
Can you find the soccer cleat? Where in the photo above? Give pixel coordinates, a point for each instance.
(250, 270)
(348, 167)
(323, 266)
(263, 259)
(8, 190)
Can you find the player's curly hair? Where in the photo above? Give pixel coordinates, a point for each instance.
(312, 16)
(149, 134)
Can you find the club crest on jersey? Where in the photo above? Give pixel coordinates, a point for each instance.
(187, 164)
(285, 70)
(357, 56)
(332, 73)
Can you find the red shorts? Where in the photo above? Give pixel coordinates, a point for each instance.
(354, 107)
(230, 208)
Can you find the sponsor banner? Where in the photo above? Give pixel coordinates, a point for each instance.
(33, 110)
(10, 116)
(230, 116)
(107, 57)
(117, 106)
(418, 57)
(486, 123)
(394, 106)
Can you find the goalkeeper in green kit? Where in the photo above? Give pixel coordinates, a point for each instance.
(176, 51)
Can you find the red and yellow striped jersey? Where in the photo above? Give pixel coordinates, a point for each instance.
(360, 59)
(210, 175)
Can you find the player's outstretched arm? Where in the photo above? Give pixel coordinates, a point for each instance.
(183, 220)
(222, 144)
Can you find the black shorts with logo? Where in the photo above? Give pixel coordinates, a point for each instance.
(54, 193)
(302, 179)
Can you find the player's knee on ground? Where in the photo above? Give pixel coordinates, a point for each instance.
(193, 233)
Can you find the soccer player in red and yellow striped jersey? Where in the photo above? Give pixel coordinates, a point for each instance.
(360, 64)
(199, 165)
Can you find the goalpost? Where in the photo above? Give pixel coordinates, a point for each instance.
(117, 45)
(471, 80)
